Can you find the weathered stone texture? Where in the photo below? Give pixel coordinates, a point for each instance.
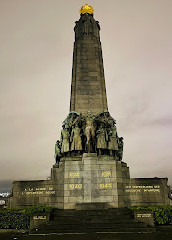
(87, 181)
(92, 179)
(88, 91)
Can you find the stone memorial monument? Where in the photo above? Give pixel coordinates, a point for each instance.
(89, 169)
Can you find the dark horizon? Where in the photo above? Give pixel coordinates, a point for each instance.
(5, 185)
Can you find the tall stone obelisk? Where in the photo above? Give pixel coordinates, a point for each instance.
(88, 91)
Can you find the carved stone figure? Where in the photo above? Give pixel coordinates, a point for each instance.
(65, 139)
(72, 118)
(75, 138)
(105, 119)
(57, 152)
(120, 147)
(113, 144)
(80, 134)
(102, 138)
(90, 133)
(109, 120)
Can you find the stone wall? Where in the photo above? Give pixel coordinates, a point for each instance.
(35, 193)
(147, 191)
(90, 180)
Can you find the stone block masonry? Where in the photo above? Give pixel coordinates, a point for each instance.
(91, 179)
(88, 91)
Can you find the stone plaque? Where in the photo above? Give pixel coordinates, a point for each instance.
(145, 216)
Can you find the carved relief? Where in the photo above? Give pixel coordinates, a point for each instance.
(90, 133)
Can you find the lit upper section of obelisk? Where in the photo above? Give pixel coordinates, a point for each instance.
(88, 91)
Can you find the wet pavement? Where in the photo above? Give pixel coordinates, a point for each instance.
(166, 234)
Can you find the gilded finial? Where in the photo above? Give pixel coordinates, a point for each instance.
(86, 9)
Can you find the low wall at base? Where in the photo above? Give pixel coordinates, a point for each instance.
(36, 193)
(90, 179)
(147, 191)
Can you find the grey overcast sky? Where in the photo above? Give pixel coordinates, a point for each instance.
(36, 47)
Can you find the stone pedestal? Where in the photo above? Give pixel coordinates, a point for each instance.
(90, 182)
(92, 179)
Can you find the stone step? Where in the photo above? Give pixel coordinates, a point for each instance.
(121, 210)
(53, 225)
(85, 221)
(79, 217)
(98, 220)
(92, 212)
(94, 230)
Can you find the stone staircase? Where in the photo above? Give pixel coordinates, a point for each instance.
(91, 221)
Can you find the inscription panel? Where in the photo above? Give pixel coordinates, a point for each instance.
(143, 215)
(75, 186)
(38, 191)
(106, 174)
(39, 217)
(142, 189)
(74, 175)
(105, 186)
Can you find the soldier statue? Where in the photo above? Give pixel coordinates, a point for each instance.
(108, 119)
(72, 118)
(57, 153)
(102, 138)
(75, 138)
(65, 140)
(120, 147)
(113, 144)
(90, 133)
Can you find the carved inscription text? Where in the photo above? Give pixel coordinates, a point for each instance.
(39, 191)
(135, 189)
(144, 215)
(75, 186)
(74, 175)
(106, 174)
(106, 186)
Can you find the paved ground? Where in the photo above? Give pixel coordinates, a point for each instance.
(164, 234)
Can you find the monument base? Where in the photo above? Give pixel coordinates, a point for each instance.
(89, 181)
(114, 220)
(93, 179)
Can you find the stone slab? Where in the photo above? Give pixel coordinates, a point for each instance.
(144, 216)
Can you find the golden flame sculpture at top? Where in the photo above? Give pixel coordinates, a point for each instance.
(86, 9)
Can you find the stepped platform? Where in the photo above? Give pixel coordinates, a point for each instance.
(92, 221)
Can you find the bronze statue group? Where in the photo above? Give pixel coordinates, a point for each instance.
(89, 134)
